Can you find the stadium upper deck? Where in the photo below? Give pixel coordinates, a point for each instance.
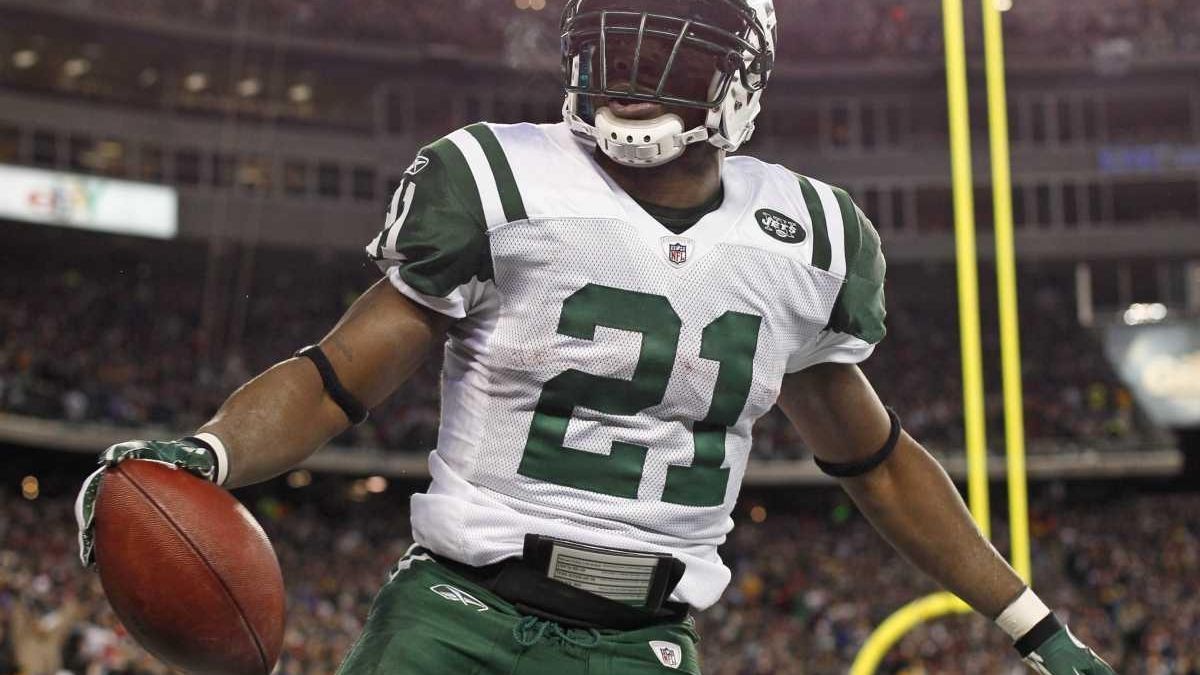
(855, 29)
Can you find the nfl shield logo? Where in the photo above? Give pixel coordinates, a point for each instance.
(677, 250)
(677, 253)
(668, 653)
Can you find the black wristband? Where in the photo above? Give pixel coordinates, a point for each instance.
(355, 412)
(1037, 636)
(852, 469)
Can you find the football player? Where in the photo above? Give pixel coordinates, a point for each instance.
(618, 302)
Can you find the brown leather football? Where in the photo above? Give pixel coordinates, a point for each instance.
(188, 570)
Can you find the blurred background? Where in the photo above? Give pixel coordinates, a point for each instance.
(186, 187)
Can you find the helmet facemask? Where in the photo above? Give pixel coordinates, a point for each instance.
(709, 55)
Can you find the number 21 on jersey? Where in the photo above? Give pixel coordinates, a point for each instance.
(730, 340)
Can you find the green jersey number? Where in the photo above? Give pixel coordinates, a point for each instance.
(730, 340)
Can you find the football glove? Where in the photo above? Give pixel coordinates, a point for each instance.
(1063, 654)
(189, 454)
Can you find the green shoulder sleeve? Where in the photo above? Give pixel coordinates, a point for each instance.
(859, 309)
(435, 235)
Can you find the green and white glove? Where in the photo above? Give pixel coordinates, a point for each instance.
(202, 455)
(1045, 643)
(1063, 654)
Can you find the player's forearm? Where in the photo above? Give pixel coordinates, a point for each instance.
(914, 505)
(275, 421)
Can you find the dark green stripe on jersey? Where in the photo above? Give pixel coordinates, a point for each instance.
(822, 253)
(442, 239)
(506, 183)
(850, 224)
(860, 307)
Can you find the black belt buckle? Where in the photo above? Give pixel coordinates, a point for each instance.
(639, 579)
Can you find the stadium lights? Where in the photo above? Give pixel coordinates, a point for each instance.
(195, 82)
(77, 67)
(249, 87)
(30, 488)
(25, 59)
(758, 514)
(376, 484)
(1143, 313)
(300, 93)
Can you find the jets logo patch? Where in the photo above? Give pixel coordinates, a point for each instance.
(780, 227)
(668, 653)
(677, 250)
(458, 595)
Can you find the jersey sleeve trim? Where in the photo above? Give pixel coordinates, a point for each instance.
(506, 182)
(454, 304)
(851, 227)
(491, 173)
(835, 227)
(821, 252)
(832, 347)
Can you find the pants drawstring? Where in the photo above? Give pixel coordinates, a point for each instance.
(530, 630)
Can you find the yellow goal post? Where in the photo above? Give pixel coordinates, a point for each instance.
(942, 604)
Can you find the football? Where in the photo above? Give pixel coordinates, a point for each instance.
(188, 570)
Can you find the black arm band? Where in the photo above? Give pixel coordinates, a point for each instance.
(852, 469)
(355, 411)
(1037, 636)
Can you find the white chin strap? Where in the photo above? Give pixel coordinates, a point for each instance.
(650, 142)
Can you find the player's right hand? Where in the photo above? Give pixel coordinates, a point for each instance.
(185, 454)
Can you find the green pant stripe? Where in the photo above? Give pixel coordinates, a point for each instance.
(506, 183)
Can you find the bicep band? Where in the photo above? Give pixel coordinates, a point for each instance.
(355, 411)
(852, 469)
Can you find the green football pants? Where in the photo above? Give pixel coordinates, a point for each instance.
(428, 620)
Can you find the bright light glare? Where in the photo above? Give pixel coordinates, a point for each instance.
(24, 59)
(300, 93)
(249, 87)
(76, 67)
(1141, 313)
(196, 82)
(1003, 5)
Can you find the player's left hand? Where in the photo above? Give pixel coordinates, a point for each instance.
(1063, 654)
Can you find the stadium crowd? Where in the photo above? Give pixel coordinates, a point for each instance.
(847, 29)
(117, 339)
(1123, 570)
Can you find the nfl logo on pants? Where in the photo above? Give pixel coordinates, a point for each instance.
(669, 654)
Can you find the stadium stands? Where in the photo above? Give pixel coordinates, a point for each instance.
(117, 339)
(847, 29)
(1124, 569)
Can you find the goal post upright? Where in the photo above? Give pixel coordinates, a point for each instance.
(942, 604)
(1006, 284)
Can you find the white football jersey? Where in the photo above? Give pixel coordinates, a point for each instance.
(604, 374)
